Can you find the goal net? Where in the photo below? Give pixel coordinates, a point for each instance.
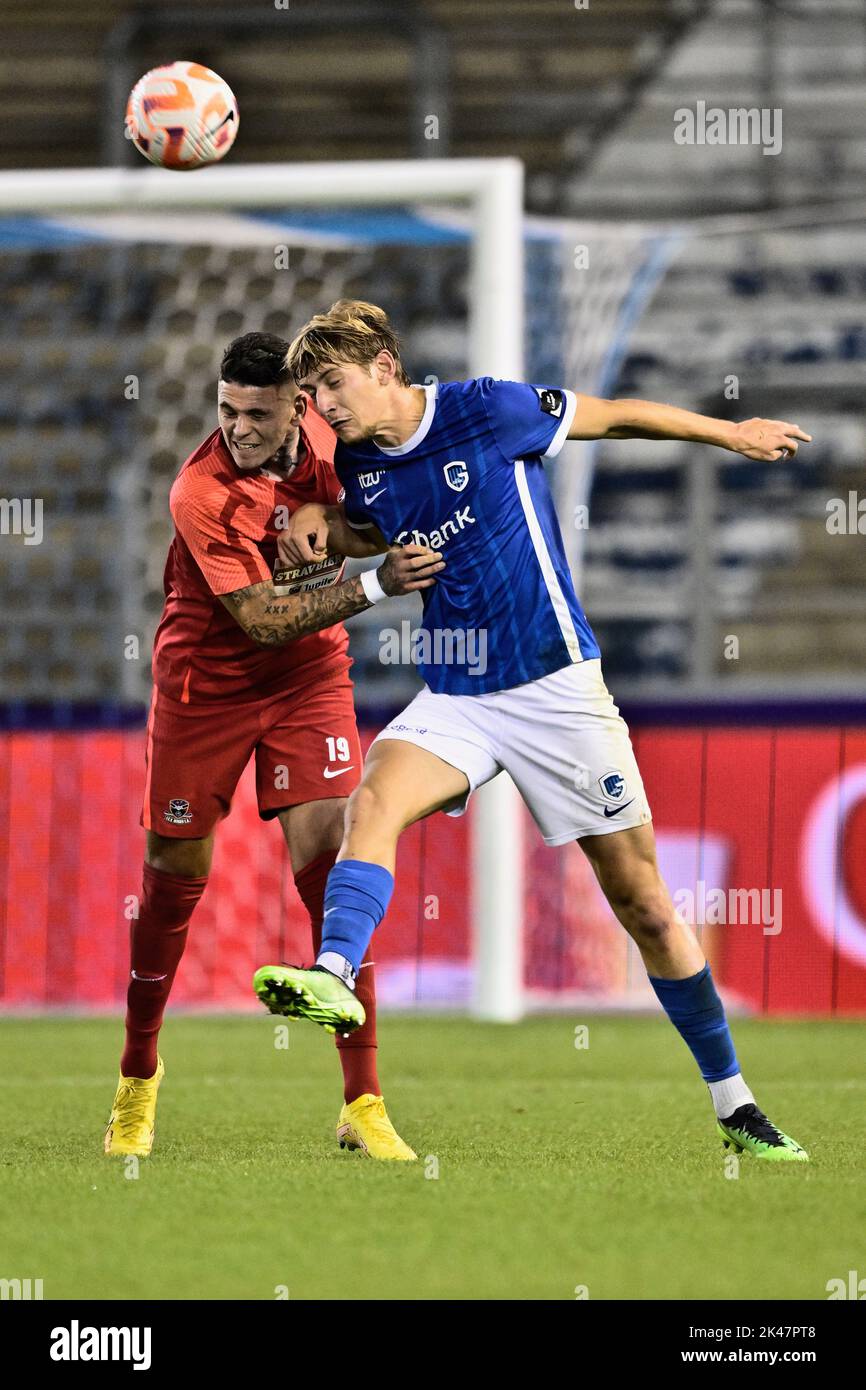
(119, 295)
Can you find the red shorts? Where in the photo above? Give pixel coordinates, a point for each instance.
(305, 743)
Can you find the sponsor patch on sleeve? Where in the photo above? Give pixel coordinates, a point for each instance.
(551, 402)
(319, 574)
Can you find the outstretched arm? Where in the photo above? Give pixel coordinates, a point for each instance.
(765, 440)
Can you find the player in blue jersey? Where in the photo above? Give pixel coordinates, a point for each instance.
(459, 467)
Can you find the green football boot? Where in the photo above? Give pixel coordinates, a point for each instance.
(748, 1130)
(315, 994)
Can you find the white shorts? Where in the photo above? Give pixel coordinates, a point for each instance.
(561, 739)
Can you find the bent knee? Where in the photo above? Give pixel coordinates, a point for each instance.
(647, 914)
(369, 804)
(650, 928)
(185, 858)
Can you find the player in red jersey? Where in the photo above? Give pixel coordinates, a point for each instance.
(249, 662)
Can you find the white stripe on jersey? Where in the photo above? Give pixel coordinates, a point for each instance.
(554, 589)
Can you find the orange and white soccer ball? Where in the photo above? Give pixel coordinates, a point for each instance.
(182, 116)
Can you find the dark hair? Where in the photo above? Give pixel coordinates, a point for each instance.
(256, 359)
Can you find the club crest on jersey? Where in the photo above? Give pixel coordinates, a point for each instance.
(456, 475)
(178, 812)
(612, 785)
(551, 402)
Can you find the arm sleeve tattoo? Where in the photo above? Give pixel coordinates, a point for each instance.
(271, 620)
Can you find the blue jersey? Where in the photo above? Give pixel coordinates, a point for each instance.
(471, 483)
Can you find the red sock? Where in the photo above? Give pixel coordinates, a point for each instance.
(157, 939)
(358, 1050)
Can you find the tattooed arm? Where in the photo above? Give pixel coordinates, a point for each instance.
(270, 619)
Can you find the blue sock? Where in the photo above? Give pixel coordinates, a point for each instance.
(695, 1010)
(356, 899)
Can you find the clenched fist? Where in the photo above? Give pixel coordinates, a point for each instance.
(305, 538)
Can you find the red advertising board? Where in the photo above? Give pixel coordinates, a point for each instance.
(760, 835)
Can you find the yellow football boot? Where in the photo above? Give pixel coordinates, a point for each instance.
(130, 1129)
(365, 1125)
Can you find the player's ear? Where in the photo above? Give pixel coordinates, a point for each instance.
(299, 403)
(386, 368)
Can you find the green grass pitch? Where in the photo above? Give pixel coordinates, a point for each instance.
(558, 1168)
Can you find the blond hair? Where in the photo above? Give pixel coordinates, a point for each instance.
(351, 331)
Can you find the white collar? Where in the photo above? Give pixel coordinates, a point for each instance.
(423, 428)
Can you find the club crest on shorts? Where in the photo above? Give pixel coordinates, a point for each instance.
(456, 475)
(178, 812)
(613, 785)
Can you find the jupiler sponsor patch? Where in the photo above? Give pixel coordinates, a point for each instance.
(303, 579)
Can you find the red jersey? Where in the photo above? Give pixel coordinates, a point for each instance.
(226, 539)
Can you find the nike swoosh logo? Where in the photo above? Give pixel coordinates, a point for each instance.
(337, 771)
(368, 500)
(609, 812)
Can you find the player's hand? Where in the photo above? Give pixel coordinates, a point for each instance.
(305, 539)
(768, 440)
(409, 567)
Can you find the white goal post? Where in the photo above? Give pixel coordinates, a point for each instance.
(492, 191)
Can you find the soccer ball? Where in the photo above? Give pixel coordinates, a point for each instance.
(182, 116)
